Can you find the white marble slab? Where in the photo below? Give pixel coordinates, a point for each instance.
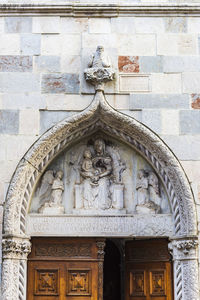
(124, 225)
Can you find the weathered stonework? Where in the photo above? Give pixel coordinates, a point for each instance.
(44, 51)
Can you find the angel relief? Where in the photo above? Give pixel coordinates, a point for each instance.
(50, 193)
(100, 184)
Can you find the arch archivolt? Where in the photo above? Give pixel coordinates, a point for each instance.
(99, 116)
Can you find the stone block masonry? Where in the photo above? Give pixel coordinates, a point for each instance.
(42, 60)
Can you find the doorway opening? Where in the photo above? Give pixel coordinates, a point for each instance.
(113, 280)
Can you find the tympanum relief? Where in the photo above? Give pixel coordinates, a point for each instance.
(148, 192)
(100, 176)
(99, 186)
(50, 193)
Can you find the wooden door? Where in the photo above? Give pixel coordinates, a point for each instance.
(65, 269)
(148, 270)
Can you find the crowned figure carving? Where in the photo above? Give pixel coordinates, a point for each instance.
(100, 70)
(100, 187)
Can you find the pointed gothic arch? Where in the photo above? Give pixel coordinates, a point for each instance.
(99, 116)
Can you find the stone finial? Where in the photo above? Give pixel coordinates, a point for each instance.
(100, 70)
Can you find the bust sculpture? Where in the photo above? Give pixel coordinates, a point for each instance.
(99, 69)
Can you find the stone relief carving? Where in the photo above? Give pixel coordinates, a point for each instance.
(184, 248)
(100, 184)
(50, 193)
(15, 248)
(148, 193)
(99, 70)
(65, 250)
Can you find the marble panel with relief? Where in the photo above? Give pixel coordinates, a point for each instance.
(99, 176)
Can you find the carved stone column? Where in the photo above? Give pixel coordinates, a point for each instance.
(15, 251)
(100, 254)
(186, 281)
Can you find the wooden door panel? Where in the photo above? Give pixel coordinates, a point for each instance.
(146, 279)
(63, 269)
(45, 280)
(81, 281)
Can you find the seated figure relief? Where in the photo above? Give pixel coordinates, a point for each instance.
(51, 193)
(148, 195)
(100, 186)
(99, 176)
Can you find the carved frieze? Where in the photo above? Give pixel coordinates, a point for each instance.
(64, 250)
(134, 225)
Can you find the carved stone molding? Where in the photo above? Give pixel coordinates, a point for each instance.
(184, 249)
(98, 10)
(15, 248)
(100, 116)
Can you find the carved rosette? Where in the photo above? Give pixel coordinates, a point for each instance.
(99, 76)
(15, 248)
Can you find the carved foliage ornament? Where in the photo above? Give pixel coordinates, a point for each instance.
(186, 246)
(99, 71)
(16, 248)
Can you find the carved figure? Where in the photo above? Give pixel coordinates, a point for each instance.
(100, 186)
(142, 188)
(148, 196)
(154, 193)
(99, 71)
(87, 170)
(45, 188)
(99, 59)
(103, 163)
(53, 204)
(57, 189)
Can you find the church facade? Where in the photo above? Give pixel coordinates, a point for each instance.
(99, 129)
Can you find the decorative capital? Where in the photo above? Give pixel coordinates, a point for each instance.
(100, 245)
(100, 70)
(16, 247)
(184, 249)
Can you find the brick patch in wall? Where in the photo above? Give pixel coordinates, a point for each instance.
(11, 63)
(60, 83)
(128, 64)
(195, 101)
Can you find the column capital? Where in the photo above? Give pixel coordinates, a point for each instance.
(16, 247)
(184, 248)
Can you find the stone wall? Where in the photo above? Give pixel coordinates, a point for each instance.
(157, 62)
